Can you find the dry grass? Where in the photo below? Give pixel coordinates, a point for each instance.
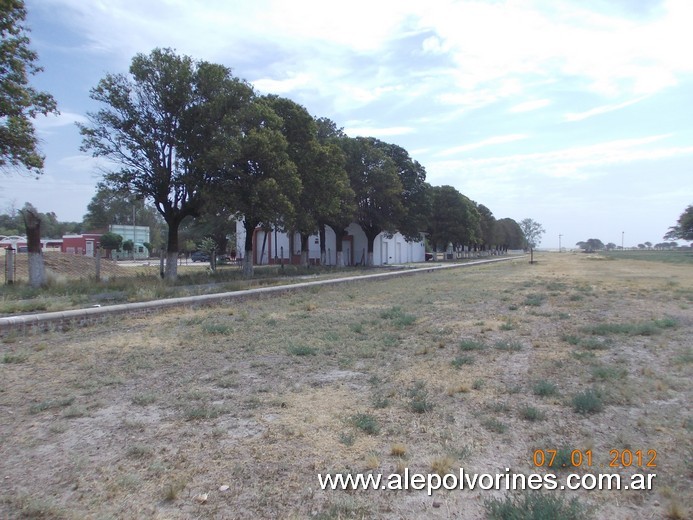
(137, 417)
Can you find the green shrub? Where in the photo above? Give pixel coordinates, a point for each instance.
(535, 506)
(589, 401)
(366, 423)
(545, 388)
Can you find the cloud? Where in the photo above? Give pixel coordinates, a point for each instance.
(579, 116)
(353, 129)
(575, 163)
(498, 139)
(50, 122)
(528, 106)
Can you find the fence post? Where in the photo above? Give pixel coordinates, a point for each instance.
(98, 264)
(9, 265)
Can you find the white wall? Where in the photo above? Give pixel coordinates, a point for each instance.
(393, 250)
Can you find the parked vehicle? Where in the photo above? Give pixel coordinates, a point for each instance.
(199, 256)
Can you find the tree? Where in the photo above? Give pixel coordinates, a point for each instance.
(377, 187)
(508, 235)
(532, 232)
(683, 230)
(416, 202)
(169, 125)
(111, 242)
(324, 181)
(487, 224)
(259, 182)
(454, 219)
(330, 134)
(591, 245)
(19, 103)
(128, 246)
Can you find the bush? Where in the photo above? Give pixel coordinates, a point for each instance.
(535, 506)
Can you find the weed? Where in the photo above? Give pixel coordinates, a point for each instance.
(644, 328)
(173, 489)
(418, 395)
(469, 344)
(398, 317)
(19, 356)
(347, 438)
(512, 307)
(508, 325)
(380, 401)
(535, 506)
(442, 465)
(228, 382)
(459, 361)
(534, 300)
(603, 373)
(529, 413)
(73, 412)
(302, 350)
(55, 403)
(356, 327)
(478, 384)
(545, 388)
(398, 450)
(200, 413)
(139, 451)
(216, 329)
(144, 399)
(589, 401)
(494, 425)
(366, 423)
(508, 346)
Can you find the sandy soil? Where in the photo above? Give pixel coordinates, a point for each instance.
(231, 412)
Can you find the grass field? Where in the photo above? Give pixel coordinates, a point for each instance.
(231, 412)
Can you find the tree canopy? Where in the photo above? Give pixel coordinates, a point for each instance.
(168, 125)
(683, 230)
(19, 102)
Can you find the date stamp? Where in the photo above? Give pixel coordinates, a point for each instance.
(562, 458)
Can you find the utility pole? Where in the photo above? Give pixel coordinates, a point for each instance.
(559, 243)
(622, 233)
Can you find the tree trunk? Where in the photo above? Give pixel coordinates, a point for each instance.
(304, 249)
(248, 258)
(37, 271)
(171, 272)
(323, 252)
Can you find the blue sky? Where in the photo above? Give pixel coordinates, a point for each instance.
(574, 113)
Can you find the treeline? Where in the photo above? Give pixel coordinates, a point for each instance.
(594, 244)
(198, 142)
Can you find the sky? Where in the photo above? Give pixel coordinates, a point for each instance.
(576, 114)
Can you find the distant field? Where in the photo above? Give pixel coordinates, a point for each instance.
(232, 411)
(673, 257)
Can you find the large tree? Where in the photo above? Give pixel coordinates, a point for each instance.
(19, 102)
(377, 187)
(259, 181)
(508, 234)
(320, 167)
(683, 230)
(329, 134)
(167, 125)
(416, 202)
(454, 219)
(532, 232)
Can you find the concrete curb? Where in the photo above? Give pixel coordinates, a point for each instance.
(81, 317)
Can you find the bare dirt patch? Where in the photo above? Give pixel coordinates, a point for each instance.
(231, 412)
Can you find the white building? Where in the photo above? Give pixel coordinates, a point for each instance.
(273, 247)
